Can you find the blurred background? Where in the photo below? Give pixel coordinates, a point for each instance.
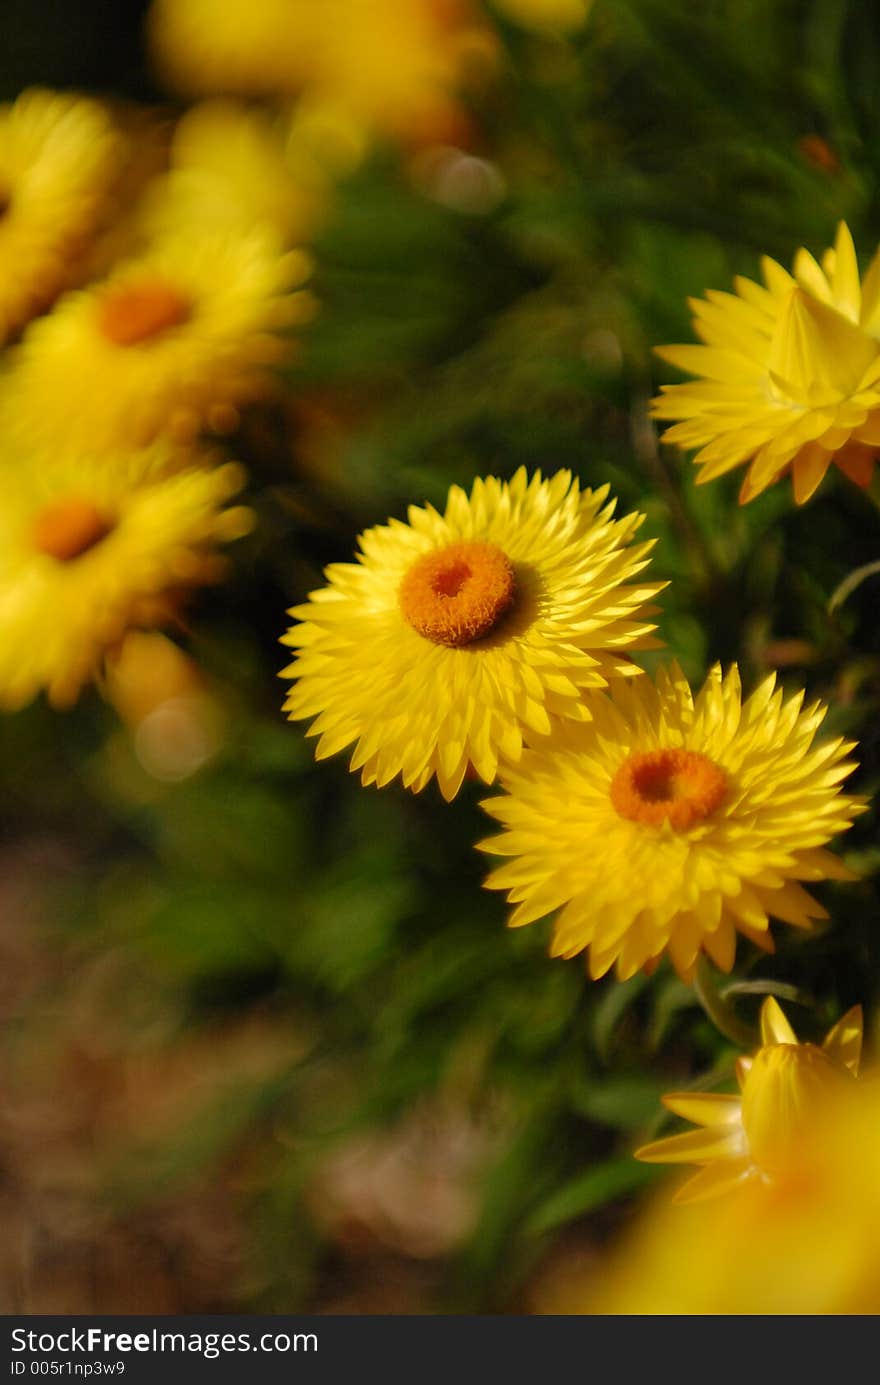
(267, 1044)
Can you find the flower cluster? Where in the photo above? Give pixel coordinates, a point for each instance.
(149, 288)
(497, 639)
(154, 280)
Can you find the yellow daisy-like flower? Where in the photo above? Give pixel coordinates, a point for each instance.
(758, 1133)
(172, 340)
(232, 166)
(790, 375)
(58, 158)
(671, 823)
(806, 1241)
(88, 550)
(392, 65)
(235, 47)
(456, 636)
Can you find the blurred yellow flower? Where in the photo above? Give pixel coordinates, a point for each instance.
(456, 636)
(393, 65)
(172, 341)
(88, 550)
(238, 168)
(790, 375)
(58, 158)
(671, 823)
(805, 1242)
(759, 1132)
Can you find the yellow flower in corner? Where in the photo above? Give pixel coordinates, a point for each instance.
(670, 822)
(789, 375)
(172, 341)
(806, 1241)
(89, 550)
(59, 155)
(759, 1133)
(455, 637)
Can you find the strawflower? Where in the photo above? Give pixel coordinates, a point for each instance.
(173, 340)
(789, 375)
(59, 155)
(393, 66)
(758, 1133)
(457, 636)
(671, 823)
(806, 1241)
(90, 550)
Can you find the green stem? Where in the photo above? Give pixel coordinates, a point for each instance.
(719, 1011)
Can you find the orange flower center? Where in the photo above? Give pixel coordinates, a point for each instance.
(458, 594)
(137, 312)
(676, 786)
(69, 528)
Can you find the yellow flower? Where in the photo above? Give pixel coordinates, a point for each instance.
(790, 375)
(759, 1132)
(88, 550)
(393, 65)
(238, 47)
(804, 1242)
(172, 340)
(58, 158)
(233, 167)
(670, 822)
(456, 636)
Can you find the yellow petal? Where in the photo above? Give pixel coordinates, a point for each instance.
(843, 1043)
(694, 1147)
(845, 287)
(808, 471)
(816, 346)
(704, 1108)
(775, 1028)
(715, 1179)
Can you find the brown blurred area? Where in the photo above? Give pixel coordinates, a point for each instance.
(97, 1072)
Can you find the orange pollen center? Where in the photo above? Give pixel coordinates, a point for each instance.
(676, 786)
(69, 528)
(458, 594)
(137, 312)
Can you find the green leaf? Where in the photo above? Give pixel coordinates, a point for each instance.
(589, 1191)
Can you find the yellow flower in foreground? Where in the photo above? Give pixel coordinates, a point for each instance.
(456, 636)
(58, 158)
(759, 1132)
(805, 1242)
(173, 340)
(671, 823)
(790, 375)
(88, 550)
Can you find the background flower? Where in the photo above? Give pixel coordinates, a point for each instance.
(59, 156)
(88, 550)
